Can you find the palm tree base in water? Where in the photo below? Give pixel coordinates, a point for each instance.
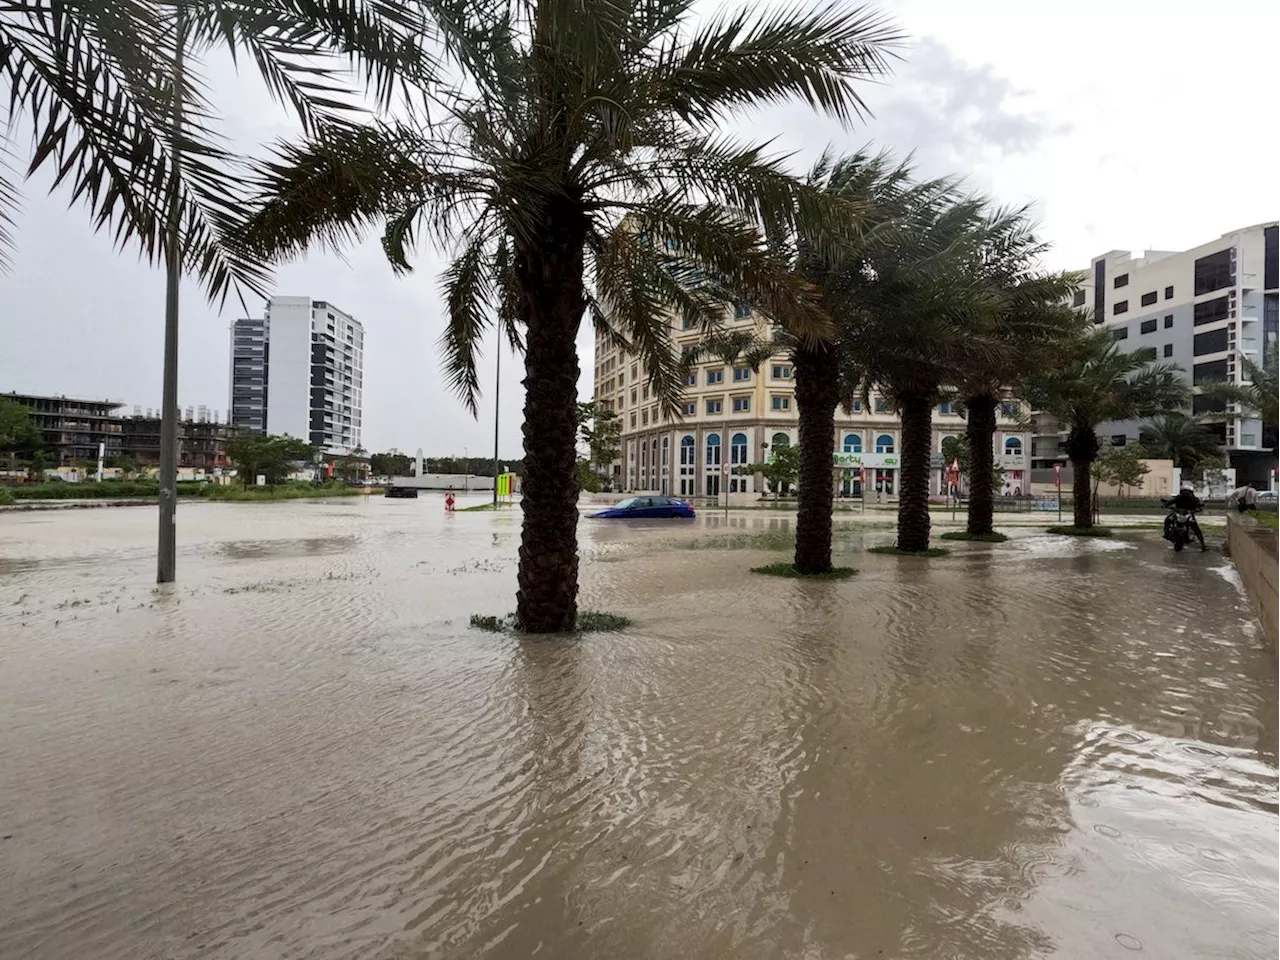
(893, 551)
(990, 537)
(589, 621)
(784, 569)
(1065, 531)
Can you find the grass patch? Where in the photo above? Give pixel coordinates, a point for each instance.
(6, 498)
(1267, 518)
(785, 569)
(894, 551)
(991, 537)
(484, 506)
(589, 621)
(1065, 531)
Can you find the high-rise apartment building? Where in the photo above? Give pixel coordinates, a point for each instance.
(299, 370)
(1205, 309)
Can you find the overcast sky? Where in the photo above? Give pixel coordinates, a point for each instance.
(1129, 125)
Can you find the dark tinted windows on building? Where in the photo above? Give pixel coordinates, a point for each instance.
(1215, 341)
(1215, 271)
(1122, 281)
(1212, 372)
(1099, 291)
(1209, 311)
(1149, 326)
(1168, 349)
(1203, 403)
(1078, 299)
(1148, 298)
(1120, 307)
(1168, 320)
(1270, 258)
(1120, 333)
(1168, 293)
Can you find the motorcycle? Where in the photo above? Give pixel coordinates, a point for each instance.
(1178, 526)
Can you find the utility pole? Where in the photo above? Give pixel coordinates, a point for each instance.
(167, 561)
(497, 387)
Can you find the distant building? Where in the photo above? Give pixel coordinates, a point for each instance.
(299, 370)
(74, 428)
(1204, 309)
(202, 443)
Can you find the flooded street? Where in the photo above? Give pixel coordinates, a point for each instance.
(302, 750)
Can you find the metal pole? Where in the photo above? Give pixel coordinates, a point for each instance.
(166, 565)
(1059, 501)
(724, 468)
(466, 471)
(497, 386)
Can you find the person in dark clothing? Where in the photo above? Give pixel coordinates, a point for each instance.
(1188, 501)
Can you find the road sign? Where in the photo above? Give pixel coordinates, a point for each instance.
(1057, 475)
(937, 461)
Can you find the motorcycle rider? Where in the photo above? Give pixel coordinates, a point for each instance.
(1187, 501)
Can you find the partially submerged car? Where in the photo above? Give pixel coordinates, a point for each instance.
(647, 508)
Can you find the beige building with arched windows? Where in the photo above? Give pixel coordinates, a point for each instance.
(734, 415)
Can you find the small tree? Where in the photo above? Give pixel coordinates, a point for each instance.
(1120, 467)
(18, 434)
(781, 469)
(269, 456)
(957, 449)
(393, 463)
(601, 430)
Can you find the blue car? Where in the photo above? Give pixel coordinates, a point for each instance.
(647, 508)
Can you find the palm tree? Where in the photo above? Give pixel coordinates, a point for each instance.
(883, 190)
(1259, 397)
(579, 160)
(117, 107)
(1096, 382)
(913, 335)
(1185, 440)
(1024, 319)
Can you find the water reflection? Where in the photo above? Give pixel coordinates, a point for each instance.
(1040, 746)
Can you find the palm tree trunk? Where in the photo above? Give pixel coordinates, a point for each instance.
(1082, 493)
(549, 273)
(913, 491)
(981, 432)
(817, 392)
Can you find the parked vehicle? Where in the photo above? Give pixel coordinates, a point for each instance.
(647, 508)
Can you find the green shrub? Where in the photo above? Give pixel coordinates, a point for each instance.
(6, 497)
(786, 569)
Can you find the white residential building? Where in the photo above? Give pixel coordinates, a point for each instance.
(1203, 309)
(734, 416)
(299, 370)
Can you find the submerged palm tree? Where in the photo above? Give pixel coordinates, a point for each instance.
(576, 167)
(1095, 382)
(1023, 321)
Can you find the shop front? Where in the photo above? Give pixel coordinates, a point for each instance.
(876, 473)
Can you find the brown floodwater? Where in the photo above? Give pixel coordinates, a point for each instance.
(1046, 747)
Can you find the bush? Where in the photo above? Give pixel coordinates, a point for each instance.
(282, 491)
(6, 498)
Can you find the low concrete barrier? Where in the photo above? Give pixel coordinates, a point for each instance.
(1253, 548)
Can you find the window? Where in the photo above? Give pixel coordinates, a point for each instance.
(1211, 372)
(852, 443)
(687, 323)
(1149, 298)
(781, 440)
(782, 371)
(1012, 447)
(644, 418)
(1119, 439)
(713, 406)
(946, 408)
(781, 403)
(644, 392)
(1121, 281)
(633, 396)
(1149, 326)
(633, 418)
(741, 374)
(713, 449)
(1168, 293)
(1209, 311)
(1077, 300)
(741, 310)
(1203, 403)
(1168, 320)
(666, 450)
(882, 405)
(1168, 349)
(1248, 439)
(741, 404)
(1011, 409)
(691, 380)
(857, 406)
(1120, 307)
(884, 443)
(690, 409)
(1215, 341)
(1120, 333)
(1215, 271)
(738, 450)
(714, 377)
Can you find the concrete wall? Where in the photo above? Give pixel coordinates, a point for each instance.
(1253, 548)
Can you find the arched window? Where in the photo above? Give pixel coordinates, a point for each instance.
(688, 456)
(781, 440)
(666, 451)
(884, 443)
(738, 450)
(852, 443)
(713, 449)
(1013, 447)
